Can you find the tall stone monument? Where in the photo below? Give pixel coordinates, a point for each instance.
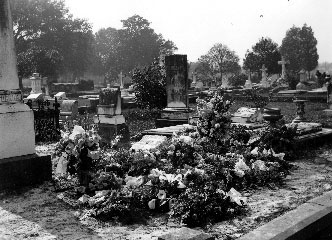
(177, 110)
(19, 165)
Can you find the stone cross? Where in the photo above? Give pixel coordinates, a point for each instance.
(283, 63)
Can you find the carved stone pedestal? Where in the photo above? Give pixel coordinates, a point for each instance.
(173, 117)
(109, 118)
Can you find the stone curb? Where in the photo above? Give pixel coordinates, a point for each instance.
(305, 222)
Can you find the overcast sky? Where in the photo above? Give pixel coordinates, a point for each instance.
(196, 25)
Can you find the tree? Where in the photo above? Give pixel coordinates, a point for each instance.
(219, 60)
(49, 40)
(150, 86)
(265, 51)
(136, 44)
(299, 46)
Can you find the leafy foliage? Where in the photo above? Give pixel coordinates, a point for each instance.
(48, 40)
(150, 86)
(265, 51)
(219, 60)
(238, 79)
(136, 44)
(299, 46)
(193, 175)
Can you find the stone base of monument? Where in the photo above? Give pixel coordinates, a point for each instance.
(111, 126)
(173, 117)
(327, 112)
(25, 170)
(17, 130)
(167, 131)
(109, 131)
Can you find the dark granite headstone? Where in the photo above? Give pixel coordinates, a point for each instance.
(177, 111)
(176, 81)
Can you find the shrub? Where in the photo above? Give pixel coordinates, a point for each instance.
(150, 86)
(238, 80)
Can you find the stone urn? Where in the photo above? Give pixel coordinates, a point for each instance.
(272, 115)
(109, 96)
(299, 111)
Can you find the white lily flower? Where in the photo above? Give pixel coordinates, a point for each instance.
(236, 197)
(254, 151)
(161, 194)
(134, 181)
(152, 204)
(181, 185)
(259, 165)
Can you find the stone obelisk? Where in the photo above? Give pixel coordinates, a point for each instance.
(8, 72)
(18, 160)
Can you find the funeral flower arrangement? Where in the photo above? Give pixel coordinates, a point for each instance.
(195, 177)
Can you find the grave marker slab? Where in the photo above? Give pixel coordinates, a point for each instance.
(149, 142)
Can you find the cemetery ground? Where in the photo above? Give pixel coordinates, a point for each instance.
(40, 212)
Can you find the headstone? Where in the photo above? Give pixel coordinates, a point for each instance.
(246, 115)
(69, 108)
(60, 95)
(264, 82)
(199, 85)
(149, 142)
(36, 83)
(111, 121)
(283, 63)
(176, 81)
(18, 161)
(177, 110)
(304, 84)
